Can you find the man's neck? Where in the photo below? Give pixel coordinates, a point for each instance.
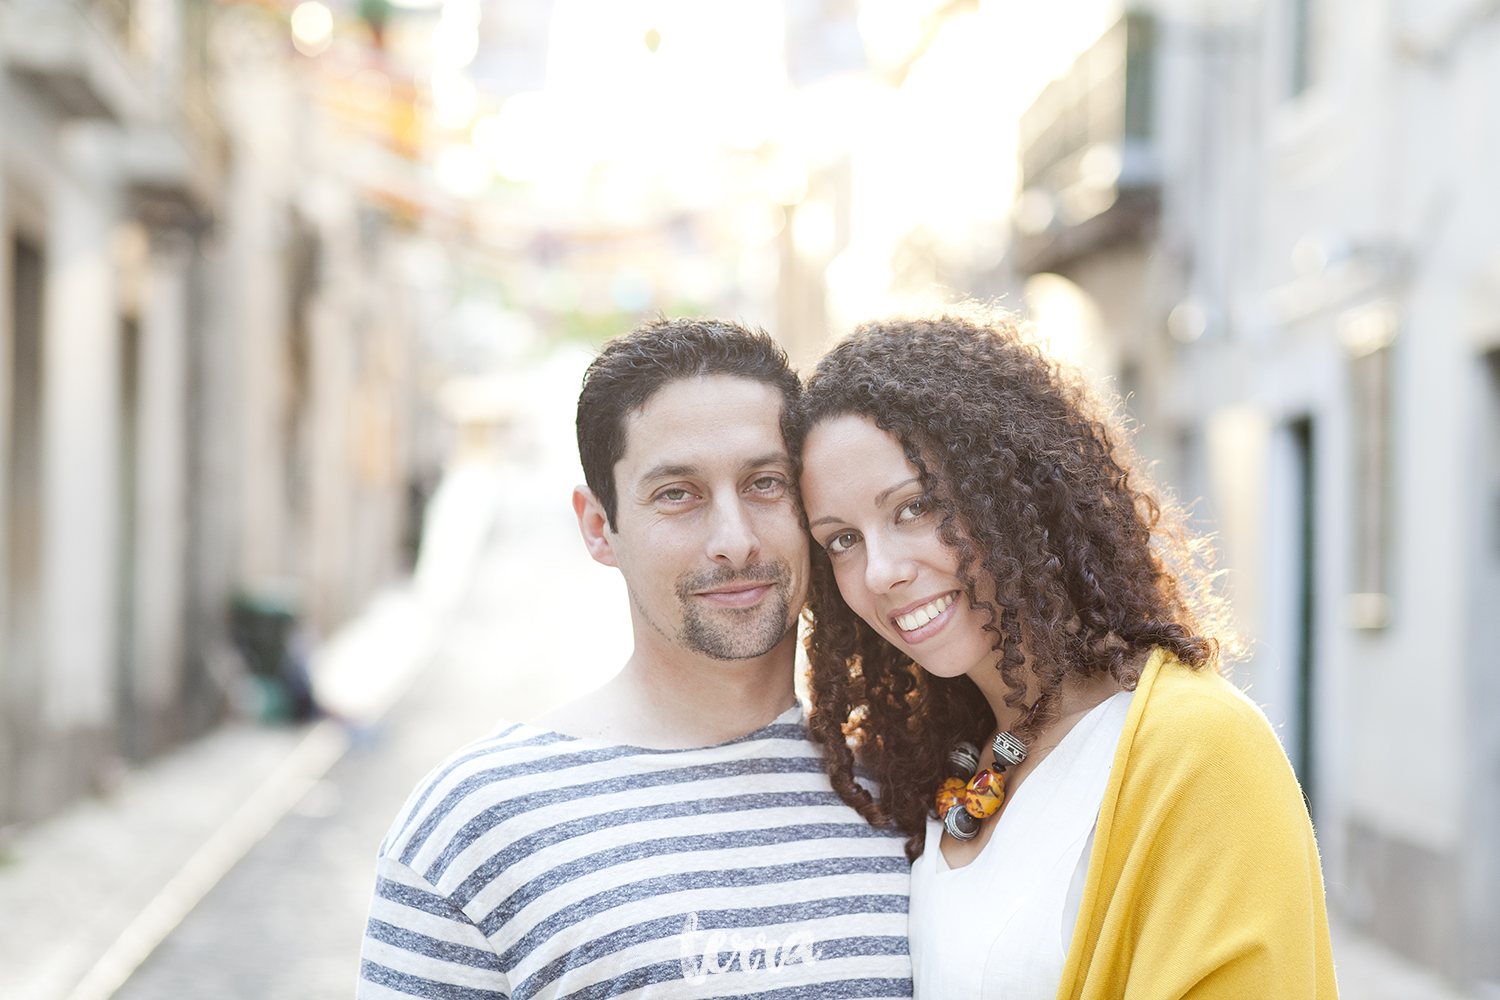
(671, 699)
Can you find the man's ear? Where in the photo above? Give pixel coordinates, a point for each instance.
(593, 525)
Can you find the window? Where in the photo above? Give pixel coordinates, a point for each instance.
(1304, 38)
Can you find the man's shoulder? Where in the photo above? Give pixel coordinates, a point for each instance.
(509, 764)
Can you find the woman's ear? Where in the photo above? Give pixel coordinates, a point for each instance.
(594, 526)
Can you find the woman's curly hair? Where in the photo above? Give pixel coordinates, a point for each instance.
(1057, 544)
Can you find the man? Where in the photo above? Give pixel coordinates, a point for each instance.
(672, 834)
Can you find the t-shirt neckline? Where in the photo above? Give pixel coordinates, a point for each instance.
(792, 716)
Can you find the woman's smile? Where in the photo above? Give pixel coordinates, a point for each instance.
(925, 620)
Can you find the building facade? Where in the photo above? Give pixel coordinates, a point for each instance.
(204, 375)
(1283, 215)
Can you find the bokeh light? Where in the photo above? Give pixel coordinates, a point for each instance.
(312, 27)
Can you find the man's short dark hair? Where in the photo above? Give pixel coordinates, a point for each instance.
(632, 368)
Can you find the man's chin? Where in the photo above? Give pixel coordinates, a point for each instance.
(735, 635)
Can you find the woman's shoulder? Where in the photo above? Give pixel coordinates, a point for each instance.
(1199, 743)
(1188, 712)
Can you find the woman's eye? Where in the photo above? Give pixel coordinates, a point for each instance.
(914, 510)
(841, 542)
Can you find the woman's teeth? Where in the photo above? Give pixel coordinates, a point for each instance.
(926, 613)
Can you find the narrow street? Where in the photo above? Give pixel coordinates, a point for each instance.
(296, 297)
(538, 623)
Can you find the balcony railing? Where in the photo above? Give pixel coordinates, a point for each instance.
(1087, 147)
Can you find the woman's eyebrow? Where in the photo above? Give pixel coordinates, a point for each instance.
(884, 495)
(880, 499)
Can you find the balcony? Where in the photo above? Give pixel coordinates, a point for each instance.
(1088, 168)
(69, 56)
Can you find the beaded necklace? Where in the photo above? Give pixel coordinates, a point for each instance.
(964, 804)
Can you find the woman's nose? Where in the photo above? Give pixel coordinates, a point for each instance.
(887, 566)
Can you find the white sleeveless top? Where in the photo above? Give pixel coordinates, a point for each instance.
(1000, 926)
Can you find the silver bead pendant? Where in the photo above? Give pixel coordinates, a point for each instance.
(960, 825)
(1008, 749)
(963, 760)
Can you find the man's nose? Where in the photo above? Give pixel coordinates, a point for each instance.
(732, 538)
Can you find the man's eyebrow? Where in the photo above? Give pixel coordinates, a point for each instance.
(770, 458)
(670, 470)
(667, 471)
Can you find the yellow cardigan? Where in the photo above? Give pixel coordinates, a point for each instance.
(1204, 880)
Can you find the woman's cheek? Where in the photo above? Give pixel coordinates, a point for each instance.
(850, 581)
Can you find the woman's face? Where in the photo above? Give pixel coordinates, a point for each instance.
(866, 507)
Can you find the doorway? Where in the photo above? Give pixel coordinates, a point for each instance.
(21, 680)
(1288, 689)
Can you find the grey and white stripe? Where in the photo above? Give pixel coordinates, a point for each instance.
(535, 865)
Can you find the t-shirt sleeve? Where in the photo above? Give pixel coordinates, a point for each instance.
(418, 944)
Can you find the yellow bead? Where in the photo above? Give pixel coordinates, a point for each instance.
(950, 794)
(984, 794)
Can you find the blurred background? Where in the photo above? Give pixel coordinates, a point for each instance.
(296, 296)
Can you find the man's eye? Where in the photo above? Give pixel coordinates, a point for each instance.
(841, 542)
(766, 484)
(673, 495)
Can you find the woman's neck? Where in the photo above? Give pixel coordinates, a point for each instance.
(1074, 698)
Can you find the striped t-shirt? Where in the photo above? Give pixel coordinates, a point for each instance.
(536, 865)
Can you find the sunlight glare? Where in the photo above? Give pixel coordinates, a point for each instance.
(455, 42)
(759, 222)
(454, 97)
(891, 29)
(786, 177)
(940, 153)
(1070, 325)
(715, 71)
(518, 140)
(462, 171)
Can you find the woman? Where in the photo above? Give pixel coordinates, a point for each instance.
(985, 566)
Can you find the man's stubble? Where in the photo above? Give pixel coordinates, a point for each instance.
(761, 629)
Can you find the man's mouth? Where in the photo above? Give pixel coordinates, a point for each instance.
(725, 587)
(915, 619)
(738, 595)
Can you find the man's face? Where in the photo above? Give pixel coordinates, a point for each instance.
(709, 538)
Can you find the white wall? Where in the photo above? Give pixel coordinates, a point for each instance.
(159, 582)
(80, 413)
